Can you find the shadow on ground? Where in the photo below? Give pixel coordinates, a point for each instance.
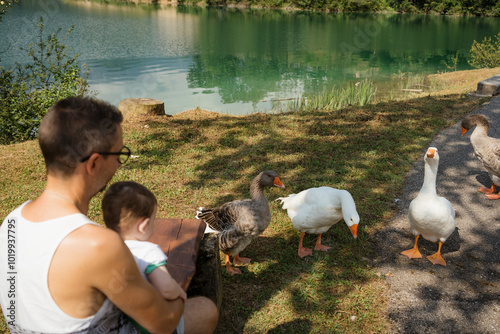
(462, 297)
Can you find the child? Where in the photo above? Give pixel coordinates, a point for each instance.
(129, 208)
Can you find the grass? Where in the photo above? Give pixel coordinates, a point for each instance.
(199, 158)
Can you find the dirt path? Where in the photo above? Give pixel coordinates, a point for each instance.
(464, 296)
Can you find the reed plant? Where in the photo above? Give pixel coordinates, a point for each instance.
(354, 94)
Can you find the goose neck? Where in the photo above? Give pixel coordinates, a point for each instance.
(348, 208)
(257, 191)
(347, 201)
(479, 131)
(430, 176)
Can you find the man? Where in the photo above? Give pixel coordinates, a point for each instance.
(61, 273)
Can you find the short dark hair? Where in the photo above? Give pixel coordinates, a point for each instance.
(76, 127)
(126, 201)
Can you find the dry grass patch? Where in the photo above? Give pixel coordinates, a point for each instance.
(462, 81)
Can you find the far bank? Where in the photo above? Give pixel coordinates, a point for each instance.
(436, 7)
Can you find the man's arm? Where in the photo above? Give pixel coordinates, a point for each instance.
(165, 284)
(117, 276)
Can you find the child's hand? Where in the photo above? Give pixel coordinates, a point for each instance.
(179, 293)
(166, 285)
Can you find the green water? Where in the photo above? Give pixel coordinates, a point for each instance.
(239, 61)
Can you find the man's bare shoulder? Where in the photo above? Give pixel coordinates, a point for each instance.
(94, 240)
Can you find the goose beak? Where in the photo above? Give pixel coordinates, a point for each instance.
(430, 153)
(277, 183)
(354, 230)
(464, 130)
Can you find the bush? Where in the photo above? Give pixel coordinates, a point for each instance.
(27, 91)
(486, 54)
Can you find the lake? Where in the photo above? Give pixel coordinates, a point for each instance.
(238, 61)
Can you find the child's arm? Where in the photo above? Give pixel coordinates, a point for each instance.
(165, 284)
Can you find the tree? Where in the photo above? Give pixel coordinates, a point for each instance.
(27, 91)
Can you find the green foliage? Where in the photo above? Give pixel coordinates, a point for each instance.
(454, 7)
(407, 6)
(486, 54)
(27, 91)
(457, 7)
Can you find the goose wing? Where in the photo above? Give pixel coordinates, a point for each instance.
(313, 208)
(493, 158)
(448, 219)
(223, 217)
(487, 150)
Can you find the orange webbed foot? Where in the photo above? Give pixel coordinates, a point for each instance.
(488, 191)
(493, 196)
(232, 270)
(485, 190)
(322, 247)
(319, 246)
(303, 252)
(239, 261)
(413, 253)
(437, 259)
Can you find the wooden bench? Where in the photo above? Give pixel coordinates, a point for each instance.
(193, 257)
(180, 240)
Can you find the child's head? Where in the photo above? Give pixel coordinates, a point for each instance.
(127, 203)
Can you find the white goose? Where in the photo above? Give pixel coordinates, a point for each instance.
(487, 150)
(430, 215)
(315, 210)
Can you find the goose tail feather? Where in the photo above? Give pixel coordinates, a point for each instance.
(208, 229)
(207, 216)
(285, 199)
(282, 199)
(199, 212)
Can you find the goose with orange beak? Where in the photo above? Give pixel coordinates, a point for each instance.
(486, 149)
(430, 215)
(238, 222)
(315, 210)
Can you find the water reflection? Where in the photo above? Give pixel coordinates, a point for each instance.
(237, 61)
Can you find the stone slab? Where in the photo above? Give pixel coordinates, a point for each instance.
(489, 87)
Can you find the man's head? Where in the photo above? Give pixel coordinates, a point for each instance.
(125, 203)
(74, 128)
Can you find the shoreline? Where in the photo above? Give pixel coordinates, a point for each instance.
(286, 7)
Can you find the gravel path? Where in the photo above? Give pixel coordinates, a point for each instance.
(464, 296)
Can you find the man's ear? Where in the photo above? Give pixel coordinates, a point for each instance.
(142, 225)
(90, 164)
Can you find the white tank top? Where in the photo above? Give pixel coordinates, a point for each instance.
(26, 251)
